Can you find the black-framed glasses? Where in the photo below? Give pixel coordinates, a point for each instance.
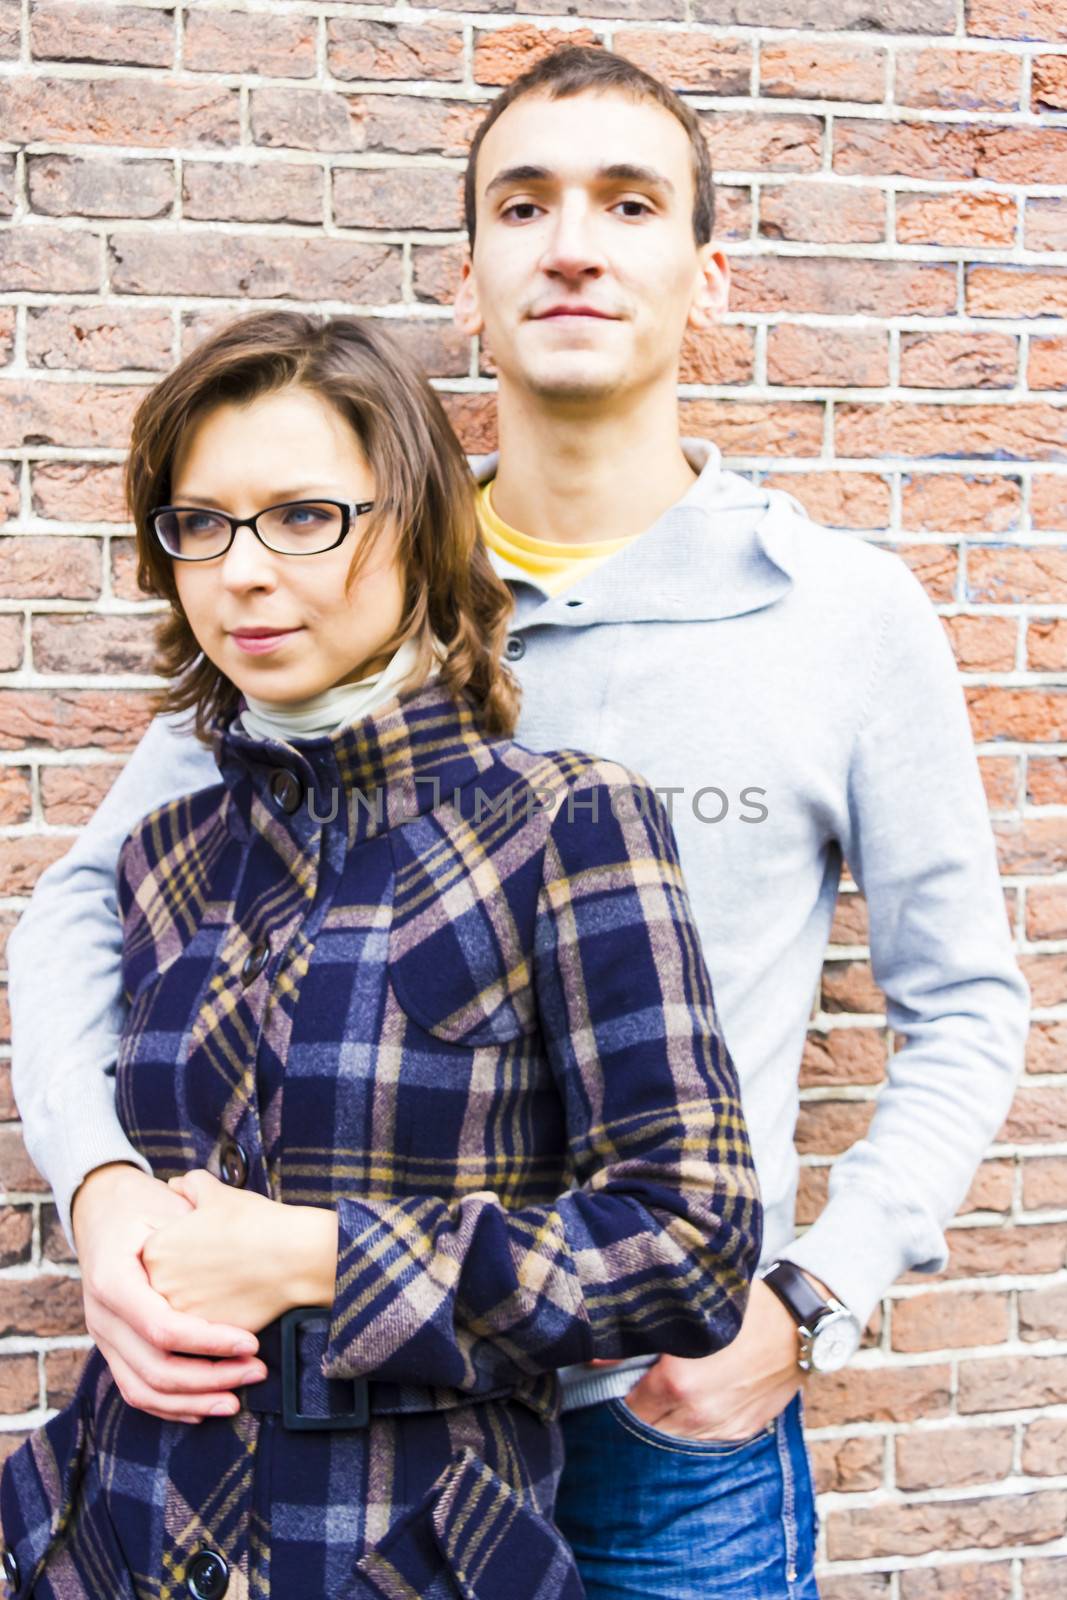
(293, 528)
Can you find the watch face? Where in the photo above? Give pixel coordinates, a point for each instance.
(835, 1342)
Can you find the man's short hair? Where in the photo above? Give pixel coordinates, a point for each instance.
(582, 69)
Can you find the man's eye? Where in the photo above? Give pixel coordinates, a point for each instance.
(637, 207)
(525, 207)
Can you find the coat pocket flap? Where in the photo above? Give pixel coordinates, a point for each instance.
(37, 1493)
(472, 1536)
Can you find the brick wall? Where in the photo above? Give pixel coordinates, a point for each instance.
(891, 194)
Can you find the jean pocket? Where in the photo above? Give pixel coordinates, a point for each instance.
(472, 1536)
(677, 1444)
(55, 1521)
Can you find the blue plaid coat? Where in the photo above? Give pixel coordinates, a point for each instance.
(451, 988)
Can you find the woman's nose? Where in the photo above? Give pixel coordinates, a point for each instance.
(248, 561)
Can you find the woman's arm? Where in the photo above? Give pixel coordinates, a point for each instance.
(655, 1247)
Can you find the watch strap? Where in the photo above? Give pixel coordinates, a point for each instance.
(803, 1302)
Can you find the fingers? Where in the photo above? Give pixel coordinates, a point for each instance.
(132, 1301)
(168, 1385)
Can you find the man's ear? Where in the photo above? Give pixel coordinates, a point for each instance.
(713, 288)
(466, 312)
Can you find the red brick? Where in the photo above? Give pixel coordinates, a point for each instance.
(733, 211)
(307, 119)
(982, 644)
(1046, 1047)
(827, 1127)
(850, 986)
(413, 126)
(11, 649)
(504, 54)
(1045, 1451)
(439, 347)
(1004, 576)
(802, 71)
(68, 30)
(238, 41)
(878, 1394)
(943, 1320)
(1049, 83)
(984, 1252)
(822, 213)
(1048, 502)
(435, 272)
(958, 219)
(950, 150)
(78, 491)
(839, 357)
(1047, 977)
(263, 267)
(943, 1458)
(49, 260)
(100, 338)
(1045, 1177)
(838, 499)
(7, 334)
(959, 80)
(813, 1190)
(10, 25)
(695, 61)
(992, 1188)
(855, 1586)
(1022, 431)
(99, 186)
(62, 1369)
(9, 490)
(18, 1384)
(1037, 1116)
(889, 16)
(16, 794)
(397, 197)
(1047, 368)
(70, 794)
(1011, 291)
(747, 141)
(66, 413)
(842, 287)
(94, 644)
(912, 1530)
(847, 1466)
(118, 111)
(936, 566)
(361, 48)
(16, 1235)
(37, 566)
(843, 1056)
(7, 185)
(473, 417)
(718, 355)
(48, 1306)
(239, 191)
(1016, 19)
(851, 924)
(1046, 224)
(73, 719)
(1010, 1383)
(970, 1580)
(958, 360)
(1037, 845)
(1042, 1312)
(1046, 645)
(743, 428)
(1000, 776)
(1044, 1579)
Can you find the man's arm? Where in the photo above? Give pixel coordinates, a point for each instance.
(64, 959)
(921, 849)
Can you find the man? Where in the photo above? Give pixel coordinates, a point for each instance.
(790, 689)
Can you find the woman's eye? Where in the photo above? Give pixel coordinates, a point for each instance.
(296, 514)
(197, 521)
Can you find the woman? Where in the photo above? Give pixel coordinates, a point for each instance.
(418, 1025)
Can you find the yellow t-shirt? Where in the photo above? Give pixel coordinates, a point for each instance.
(554, 566)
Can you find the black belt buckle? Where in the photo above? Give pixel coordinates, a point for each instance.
(292, 1416)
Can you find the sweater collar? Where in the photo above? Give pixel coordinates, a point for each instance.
(398, 762)
(725, 548)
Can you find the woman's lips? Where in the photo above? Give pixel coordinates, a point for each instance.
(257, 646)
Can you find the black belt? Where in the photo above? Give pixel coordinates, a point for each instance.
(292, 1347)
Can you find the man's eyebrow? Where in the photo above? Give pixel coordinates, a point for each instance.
(615, 172)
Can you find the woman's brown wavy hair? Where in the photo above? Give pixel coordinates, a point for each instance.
(421, 479)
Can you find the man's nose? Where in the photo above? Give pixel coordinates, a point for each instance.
(572, 250)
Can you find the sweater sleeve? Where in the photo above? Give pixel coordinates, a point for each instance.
(65, 963)
(654, 1246)
(921, 849)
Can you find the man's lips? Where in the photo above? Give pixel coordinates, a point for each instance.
(575, 311)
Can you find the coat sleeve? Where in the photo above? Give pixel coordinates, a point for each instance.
(654, 1246)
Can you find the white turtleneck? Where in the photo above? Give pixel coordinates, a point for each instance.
(333, 708)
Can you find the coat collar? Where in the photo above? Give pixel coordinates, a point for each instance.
(725, 548)
(396, 763)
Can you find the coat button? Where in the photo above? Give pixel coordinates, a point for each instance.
(515, 648)
(233, 1164)
(207, 1576)
(286, 790)
(255, 961)
(11, 1568)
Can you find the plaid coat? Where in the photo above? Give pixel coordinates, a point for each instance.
(452, 989)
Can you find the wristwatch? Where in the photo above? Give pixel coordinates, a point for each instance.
(829, 1333)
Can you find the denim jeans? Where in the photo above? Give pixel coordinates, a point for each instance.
(653, 1517)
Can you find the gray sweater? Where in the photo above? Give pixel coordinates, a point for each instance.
(792, 694)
